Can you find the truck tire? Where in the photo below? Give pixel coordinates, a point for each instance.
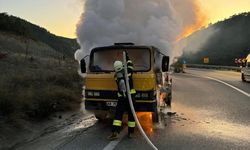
(156, 108)
(177, 70)
(169, 101)
(155, 114)
(243, 77)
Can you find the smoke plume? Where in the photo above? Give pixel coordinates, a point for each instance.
(144, 22)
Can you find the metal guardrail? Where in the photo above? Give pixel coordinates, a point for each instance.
(238, 69)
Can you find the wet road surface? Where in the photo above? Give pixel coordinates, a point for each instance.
(209, 115)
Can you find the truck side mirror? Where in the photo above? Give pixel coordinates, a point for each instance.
(165, 63)
(83, 66)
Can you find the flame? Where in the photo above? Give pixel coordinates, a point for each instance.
(201, 21)
(145, 119)
(163, 95)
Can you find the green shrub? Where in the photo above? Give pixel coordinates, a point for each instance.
(40, 103)
(39, 92)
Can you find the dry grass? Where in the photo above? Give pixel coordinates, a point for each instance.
(38, 88)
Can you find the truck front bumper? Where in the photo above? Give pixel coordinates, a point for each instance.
(140, 106)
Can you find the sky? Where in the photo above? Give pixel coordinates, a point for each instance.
(61, 16)
(217, 10)
(57, 16)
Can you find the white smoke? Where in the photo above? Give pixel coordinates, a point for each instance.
(144, 22)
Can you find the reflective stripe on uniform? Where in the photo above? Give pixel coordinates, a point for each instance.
(130, 67)
(129, 74)
(132, 91)
(131, 124)
(129, 61)
(119, 95)
(117, 123)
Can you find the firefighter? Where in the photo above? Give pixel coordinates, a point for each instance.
(123, 102)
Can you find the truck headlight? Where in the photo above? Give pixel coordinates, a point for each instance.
(144, 95)
(96, 93)
(89, 93)
(138, 95)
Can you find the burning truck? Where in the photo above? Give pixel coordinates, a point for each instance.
(150, 78)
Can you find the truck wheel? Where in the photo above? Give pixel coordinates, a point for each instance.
(177, 70)
(243, 77)
(169, 97)
(155, 117)
(169, 101)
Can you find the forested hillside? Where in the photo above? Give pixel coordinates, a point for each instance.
(20, 27)
(222, 42)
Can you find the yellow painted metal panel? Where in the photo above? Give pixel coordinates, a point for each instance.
(106, 81)
(144, 81)
(103, 81)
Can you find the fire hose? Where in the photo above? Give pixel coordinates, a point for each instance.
(132, 106)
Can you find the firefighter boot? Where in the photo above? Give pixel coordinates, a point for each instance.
(113, 136)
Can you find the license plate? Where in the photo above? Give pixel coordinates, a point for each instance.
(111, 104)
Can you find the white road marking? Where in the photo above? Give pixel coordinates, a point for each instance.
(227, 84)
(233, 87)
(113, 144)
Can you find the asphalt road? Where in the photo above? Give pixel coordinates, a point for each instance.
(209, 115)
(231, 77)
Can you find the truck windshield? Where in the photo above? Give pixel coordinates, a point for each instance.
(103, 60)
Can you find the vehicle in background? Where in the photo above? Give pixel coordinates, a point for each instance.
(245, 71)
(179, 65)
(150, 75)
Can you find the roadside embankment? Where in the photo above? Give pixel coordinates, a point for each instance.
(36, 83)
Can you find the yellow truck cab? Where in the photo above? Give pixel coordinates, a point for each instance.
(245, 71)
(150, 67)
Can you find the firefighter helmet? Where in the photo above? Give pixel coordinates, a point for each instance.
(118, 66)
